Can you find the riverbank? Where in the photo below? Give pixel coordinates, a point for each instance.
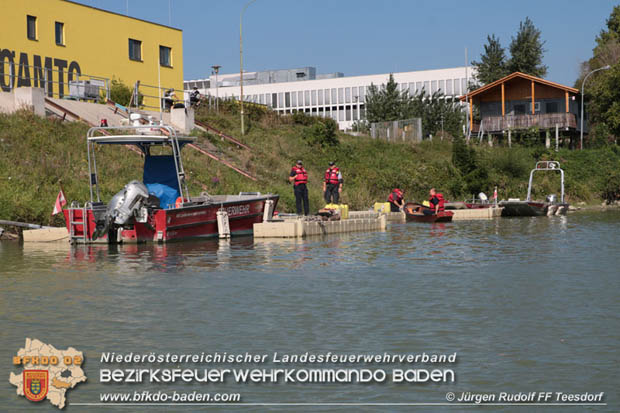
(37, 155)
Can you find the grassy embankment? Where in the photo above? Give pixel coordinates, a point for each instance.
(36, 154)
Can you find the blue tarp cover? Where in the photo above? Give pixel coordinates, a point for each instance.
(160, 177)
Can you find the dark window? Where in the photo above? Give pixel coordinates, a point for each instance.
(300, 75)
(135, 50)
(519, 109)
(31, 27)
(551, 107)
(165, 56)
(274, 100)
(60, 33)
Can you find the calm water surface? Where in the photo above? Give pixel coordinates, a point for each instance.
(528, 304)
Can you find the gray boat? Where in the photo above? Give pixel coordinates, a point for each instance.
(532, 208)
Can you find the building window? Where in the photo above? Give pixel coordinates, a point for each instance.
(60, 33)
(135, 50)
(300, 75)
(463, 86)
(341, 95)
(442, 87)
(347, 95)
(433, 86)
(327, 96)
(294, 99)
(280, 100)
(427, 87)
(306, 97)
(31, 27)
(274, 100)
(411, 88)
(165, 56)
(551, 107)
(362, 95)
(519, 109)
(313, 95)
(320, 96)
(449, 87)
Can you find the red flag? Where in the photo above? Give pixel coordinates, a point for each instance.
(495, 193)
(60, 202)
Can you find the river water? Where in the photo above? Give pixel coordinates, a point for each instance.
(527, 304)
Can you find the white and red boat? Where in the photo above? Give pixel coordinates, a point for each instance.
(159, 208)
(531, 208)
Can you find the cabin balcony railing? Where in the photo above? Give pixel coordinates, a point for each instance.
(543, 121)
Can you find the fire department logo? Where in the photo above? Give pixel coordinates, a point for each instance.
(36, 384)
(47, 373)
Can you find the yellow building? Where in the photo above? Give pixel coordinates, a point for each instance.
(59, 40)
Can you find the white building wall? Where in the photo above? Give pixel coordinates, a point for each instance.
(345, 95)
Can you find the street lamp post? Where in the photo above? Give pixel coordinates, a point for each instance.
(216, 69)
(241, 61)
(582, 85)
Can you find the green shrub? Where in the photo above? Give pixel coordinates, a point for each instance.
(322, 133)
(121, 93)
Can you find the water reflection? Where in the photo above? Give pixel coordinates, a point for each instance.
(456, 244)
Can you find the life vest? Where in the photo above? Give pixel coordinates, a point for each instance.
(396, 196)
(331, 176)
(301, 176)
(440, 199)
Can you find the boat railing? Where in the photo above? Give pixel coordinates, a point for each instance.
(155, 131)
(546, 166)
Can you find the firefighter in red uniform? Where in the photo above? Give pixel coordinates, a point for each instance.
(299, 178)
(332, 184)
(396, 200)
(436, 202)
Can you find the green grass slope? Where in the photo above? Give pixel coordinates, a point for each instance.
(37, 154)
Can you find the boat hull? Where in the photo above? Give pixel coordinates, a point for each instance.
(414, 213)
(466, 205)
(183, 223)
(532, 208)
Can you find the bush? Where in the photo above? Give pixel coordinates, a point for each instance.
(611, 191)
(322, 133)
(463, 158)
(121, 93)
(301, 118)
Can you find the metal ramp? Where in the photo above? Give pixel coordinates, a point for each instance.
(208, 128)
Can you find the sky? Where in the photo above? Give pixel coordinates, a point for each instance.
(361, 37)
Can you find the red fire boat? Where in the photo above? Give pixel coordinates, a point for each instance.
(159, 208)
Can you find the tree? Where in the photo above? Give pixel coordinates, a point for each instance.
(492, 64)
(385, 103)
(602, 91)
(436, 112)
(388, 104)
(526, 50)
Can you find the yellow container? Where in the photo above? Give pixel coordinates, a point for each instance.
(382, 207)
(343, 209)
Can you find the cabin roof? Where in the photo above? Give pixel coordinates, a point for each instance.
(515, 75)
